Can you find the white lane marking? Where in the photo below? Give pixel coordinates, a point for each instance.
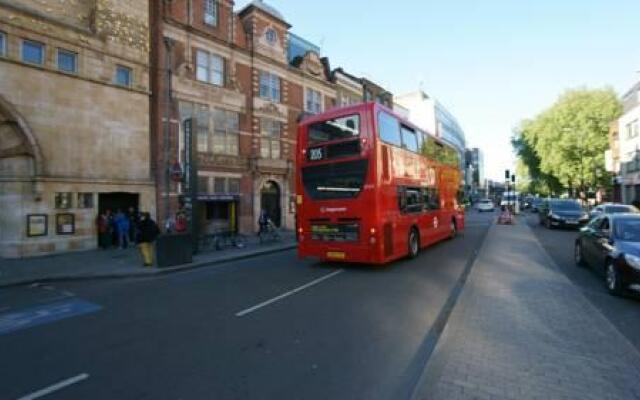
(287, 294)
(55, 387)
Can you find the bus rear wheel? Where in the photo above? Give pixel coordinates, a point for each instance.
(414, 243)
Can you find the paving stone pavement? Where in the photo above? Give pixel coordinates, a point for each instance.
(116, 263)
(522, 330)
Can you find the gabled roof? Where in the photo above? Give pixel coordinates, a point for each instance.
(264, 7)
(631, 91)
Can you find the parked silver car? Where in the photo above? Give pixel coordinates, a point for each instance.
(612, 208)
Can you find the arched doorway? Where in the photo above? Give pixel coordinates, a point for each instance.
(270, 201)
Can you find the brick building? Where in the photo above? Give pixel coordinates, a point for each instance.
(244, 84)
(74, 125)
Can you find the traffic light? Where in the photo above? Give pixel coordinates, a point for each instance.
(506, 174)
(513, 178)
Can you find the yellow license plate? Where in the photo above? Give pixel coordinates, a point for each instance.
(336, 254)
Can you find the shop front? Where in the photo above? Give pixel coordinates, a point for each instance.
(218, 213)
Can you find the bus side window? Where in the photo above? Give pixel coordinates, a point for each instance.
(389, 129)
(409, 139)
(402, 199)
(431, 199)
(409, 200)
(414, 200)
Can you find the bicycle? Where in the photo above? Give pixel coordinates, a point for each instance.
(270, 233)
(228, 239)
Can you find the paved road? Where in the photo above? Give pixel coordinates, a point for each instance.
(272, 327)
(624, 313)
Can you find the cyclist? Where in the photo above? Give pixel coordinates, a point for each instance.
(263, 222)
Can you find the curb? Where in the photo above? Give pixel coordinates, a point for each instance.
(147, 273)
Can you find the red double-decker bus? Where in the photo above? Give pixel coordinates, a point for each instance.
(372, 188)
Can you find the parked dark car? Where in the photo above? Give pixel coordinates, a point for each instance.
(612, 208)
(562, 213)
(535, 204)
(610, 244)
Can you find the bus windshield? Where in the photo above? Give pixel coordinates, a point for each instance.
(342, 180)
(334, 129)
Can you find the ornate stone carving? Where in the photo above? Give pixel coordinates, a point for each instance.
(311, 64)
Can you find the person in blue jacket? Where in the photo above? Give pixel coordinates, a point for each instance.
(122, 227)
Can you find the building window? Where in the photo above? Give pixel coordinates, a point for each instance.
(123, 76)
(85, 200)
(313, 103)
(211, 12)
(3, 44)
(63, 200)
(219, 185)
(226, 185)
(269, 86)
(226, 129)
(233, 185)
(635, 128)
(203, 184)
(67, 61)
(32, 52)
(202, 128)
(270, 140)
(209, 68)
(272, 36)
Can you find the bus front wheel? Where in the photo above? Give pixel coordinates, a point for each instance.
(414, 243)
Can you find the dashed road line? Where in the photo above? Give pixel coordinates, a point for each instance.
(287, 294)
(55, 387)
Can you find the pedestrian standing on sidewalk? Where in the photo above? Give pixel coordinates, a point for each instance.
(263, 222)
(134, 221)
(122, 227)
(113, 232)
(148, 232)
(104, 229)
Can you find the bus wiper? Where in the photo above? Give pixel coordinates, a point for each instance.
(336, 189)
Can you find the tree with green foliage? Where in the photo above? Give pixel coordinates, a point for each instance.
(565, 144)
(531, 178)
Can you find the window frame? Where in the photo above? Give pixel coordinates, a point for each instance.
(310, 101)
(75, 60)
(406, 130)
(43, 54)
(80, 197)
(129, 71)
(209, 69)
(272, 84)
(271, 35)
(58, 200)
(3, 44)
(210, 13)
(380, 135)
(225, 132)
(269, 138)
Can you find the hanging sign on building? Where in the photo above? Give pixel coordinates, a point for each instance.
(190, 180)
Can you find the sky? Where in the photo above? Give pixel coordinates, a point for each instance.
(491, 63)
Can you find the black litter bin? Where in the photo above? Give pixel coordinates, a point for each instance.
(174, 249)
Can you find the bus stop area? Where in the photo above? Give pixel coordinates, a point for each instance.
(118, 263)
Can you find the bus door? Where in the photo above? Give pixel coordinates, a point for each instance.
(431, 219)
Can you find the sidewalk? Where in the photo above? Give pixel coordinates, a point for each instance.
(521, 330)
(117, 263)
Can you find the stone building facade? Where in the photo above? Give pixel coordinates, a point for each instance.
(229, 73)
(74, 120)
